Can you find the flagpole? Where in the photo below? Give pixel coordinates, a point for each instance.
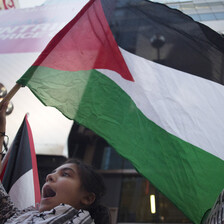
(10, 94)
(7, 98)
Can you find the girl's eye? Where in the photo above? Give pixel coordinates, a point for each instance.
(65, 174)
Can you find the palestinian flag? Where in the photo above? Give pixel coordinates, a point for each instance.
(20, 175)
(167, 122)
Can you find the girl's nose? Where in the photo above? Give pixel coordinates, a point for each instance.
(51, 177)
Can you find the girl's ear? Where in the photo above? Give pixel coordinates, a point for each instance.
(88, 199)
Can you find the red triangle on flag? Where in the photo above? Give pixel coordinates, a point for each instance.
(85, 43)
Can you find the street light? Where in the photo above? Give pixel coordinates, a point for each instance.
(157, 41)
(153, 203)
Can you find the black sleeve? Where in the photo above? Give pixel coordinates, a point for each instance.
(7, 208)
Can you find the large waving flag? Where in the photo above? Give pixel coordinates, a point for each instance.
(19, 169)
(167, 122)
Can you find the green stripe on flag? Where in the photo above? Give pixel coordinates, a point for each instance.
(95, 101)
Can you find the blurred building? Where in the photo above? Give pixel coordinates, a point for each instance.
(209, 12)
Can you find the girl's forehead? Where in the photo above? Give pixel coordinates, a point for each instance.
(71, 166)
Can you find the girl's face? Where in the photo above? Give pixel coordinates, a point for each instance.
(63, 185)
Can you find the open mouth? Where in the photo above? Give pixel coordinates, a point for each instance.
(48, 192)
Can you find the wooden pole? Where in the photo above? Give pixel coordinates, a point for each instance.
(10, 94)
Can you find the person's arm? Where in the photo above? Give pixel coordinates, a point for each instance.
(2, 128)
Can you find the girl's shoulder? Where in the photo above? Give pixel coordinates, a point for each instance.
(63, 214)
(84, 217)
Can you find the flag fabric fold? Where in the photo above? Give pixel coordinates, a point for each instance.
(167, 122)
(19, 169)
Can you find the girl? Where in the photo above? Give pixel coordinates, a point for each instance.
(71, 194)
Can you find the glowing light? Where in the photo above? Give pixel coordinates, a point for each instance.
(153, 203)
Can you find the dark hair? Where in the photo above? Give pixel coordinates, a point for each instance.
(93, 182)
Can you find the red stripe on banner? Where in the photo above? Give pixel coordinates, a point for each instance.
(34, 164)
(3, 169)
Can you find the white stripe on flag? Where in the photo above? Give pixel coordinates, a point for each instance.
(185, 105)
(22, 192)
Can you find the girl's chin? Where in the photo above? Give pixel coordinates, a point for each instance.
(46, 204)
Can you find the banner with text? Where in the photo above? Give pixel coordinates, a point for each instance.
(30, 29)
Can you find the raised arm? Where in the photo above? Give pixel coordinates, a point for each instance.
(2, 127)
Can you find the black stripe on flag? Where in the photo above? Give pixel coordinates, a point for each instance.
(20, 158)
(167, 36)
